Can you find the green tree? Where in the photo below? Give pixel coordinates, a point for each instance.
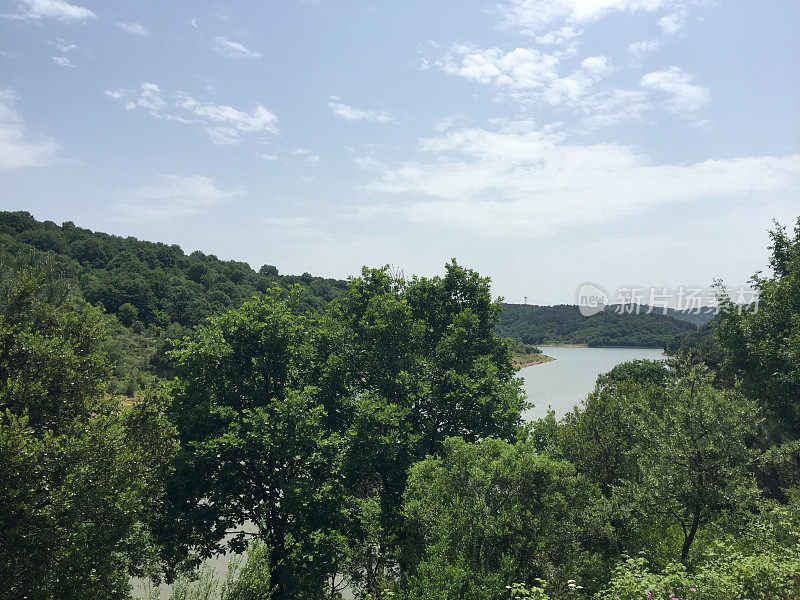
(256, 459)
(762, 343)
(762, 561)
(401, 365)
(693, 460)
(601, 436)
(127, 314)
(482, 516)
(80, 476)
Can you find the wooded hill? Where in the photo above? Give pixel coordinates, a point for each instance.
(150, 291)
(150, 282)
(564, 324)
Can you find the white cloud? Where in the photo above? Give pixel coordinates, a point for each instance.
(448, 122)
(684, 95)
(224, 124)
(521, 182)
(558, 37)
(672, 22)
(223, 136)
(351, 113)
(612, 107)
(53, 9)
(150, 98)
(257, 120)
(525, 74)
(521, 68)
(269, 157)
(63, 61)
(173, 196)
(134, 29)
(306, 155)
(62, 45)
(231, 49)
(531, 16)
(643, 47)
(597, 65)
(18, 148)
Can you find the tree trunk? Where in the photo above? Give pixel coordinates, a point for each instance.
(689, 538)
(277, 574)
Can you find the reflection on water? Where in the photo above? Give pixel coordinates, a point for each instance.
(564, 382)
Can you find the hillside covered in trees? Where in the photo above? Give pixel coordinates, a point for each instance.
(149, 291)
(564, 324)
(149, 283)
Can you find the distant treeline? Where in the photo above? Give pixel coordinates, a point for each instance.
(564, 324)
(152, 283)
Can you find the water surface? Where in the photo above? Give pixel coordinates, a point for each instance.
(564, 382)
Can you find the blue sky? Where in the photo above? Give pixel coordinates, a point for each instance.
(543, 142)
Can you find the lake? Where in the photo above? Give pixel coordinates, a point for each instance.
(564, 382)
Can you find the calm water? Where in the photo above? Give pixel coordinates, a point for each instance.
(564, 382)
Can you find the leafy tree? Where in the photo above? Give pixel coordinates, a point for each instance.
(762, 344)
(380, 446)
(255, 459)
(761, 562)
(79, 475)
(668, 449)
(127, 314)
(601, 436)
(401, 365)
(51, 365)
(473, 392)
(693, 459)
(480, 517)
(151, 288)
(428, 346)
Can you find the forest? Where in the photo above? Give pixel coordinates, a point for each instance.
(564, 324)
(149, 292)
(364, 439)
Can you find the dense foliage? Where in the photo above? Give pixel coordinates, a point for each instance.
(80, 475)
(151, 291)
(480, 516)
(373, 448)
(564, 324)
(701, 345)
(148, 282)
(301, 430)
(762, 343)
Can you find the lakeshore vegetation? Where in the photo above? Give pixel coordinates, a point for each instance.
(564, 324)
(157, 409)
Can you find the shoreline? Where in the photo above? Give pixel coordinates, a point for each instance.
(555, 345)
(539, 360)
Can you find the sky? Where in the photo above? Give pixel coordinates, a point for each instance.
(544, 143)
